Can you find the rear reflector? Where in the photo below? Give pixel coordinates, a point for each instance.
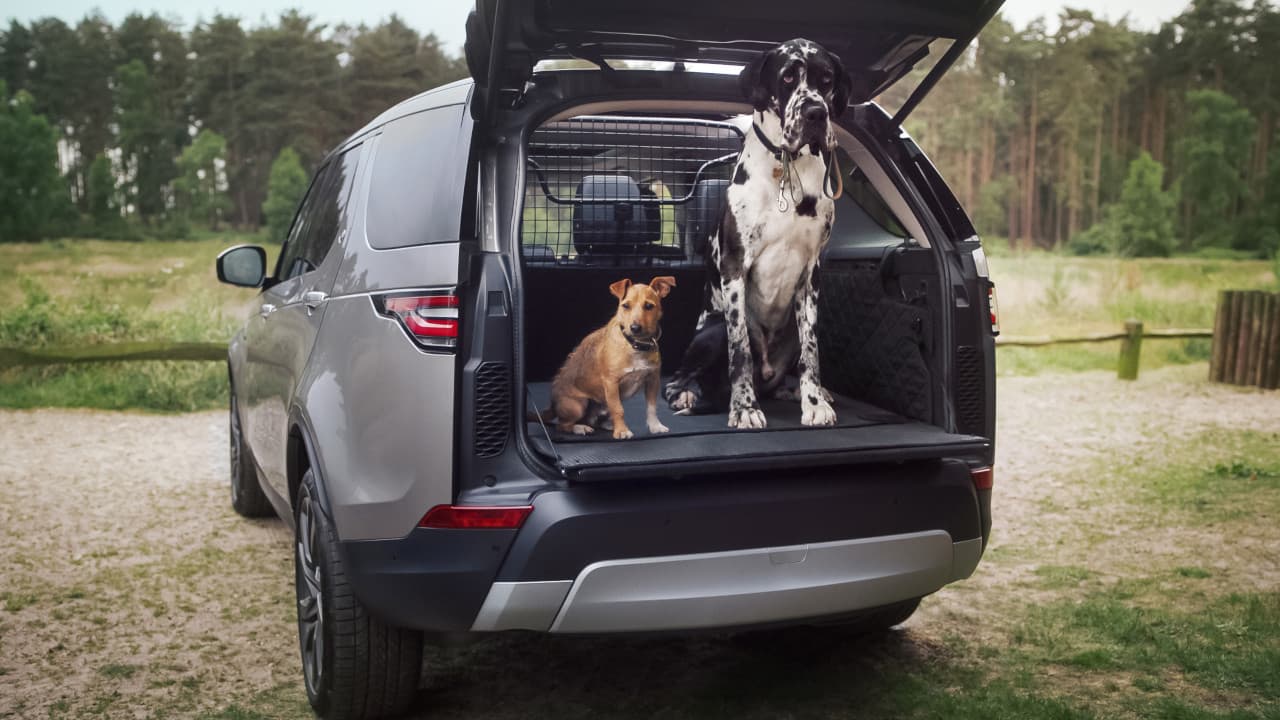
(473, 516)
(983, 478)
(994, 308)
(430, 319)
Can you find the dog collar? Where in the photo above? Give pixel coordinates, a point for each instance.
(768, 144)
(832, 181)
(650, 345)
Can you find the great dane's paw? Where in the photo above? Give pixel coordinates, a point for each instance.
(817, 412)
(656, 428)
(750, 418)
(622, 433)
(684, 402)
(583, 429)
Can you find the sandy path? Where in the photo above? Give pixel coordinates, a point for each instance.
(130, 589)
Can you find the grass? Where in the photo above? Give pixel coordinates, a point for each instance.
(68, 293)
(1060, 296)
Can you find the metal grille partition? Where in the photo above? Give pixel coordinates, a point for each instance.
(625, 191)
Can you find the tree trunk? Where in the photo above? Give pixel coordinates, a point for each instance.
(1095, 197)
(1029, 202)
(968, 175)
(1157, 133)
(1012, 197)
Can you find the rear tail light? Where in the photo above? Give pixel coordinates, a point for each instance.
(475, 516)
(994, 308)
(983, 478)
(430, 318)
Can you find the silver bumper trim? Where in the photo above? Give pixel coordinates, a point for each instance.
(739, 587)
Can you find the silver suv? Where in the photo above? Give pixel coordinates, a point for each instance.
(450, 254)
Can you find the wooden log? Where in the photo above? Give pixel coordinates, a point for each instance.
(1130, 350)
(1218, 355)
(1256, 339)
(1271, 376)
(1230, 334)
(1262, 366)
(1243, 338)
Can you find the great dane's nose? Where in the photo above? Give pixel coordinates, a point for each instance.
(815, 113)
(635, 328)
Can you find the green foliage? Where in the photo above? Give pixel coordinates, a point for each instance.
(200, 190)
(1141, 223)
(145, 139)
(285, 188)
(31, 193)
(1211, 153)
(103, 205)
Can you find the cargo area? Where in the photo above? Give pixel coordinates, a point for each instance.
(610, 197)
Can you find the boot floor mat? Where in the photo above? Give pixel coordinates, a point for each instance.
(707, 442)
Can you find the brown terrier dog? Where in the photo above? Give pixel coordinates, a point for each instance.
(611, 364)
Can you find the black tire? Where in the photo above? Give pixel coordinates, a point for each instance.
(247, 497)
(353, 664)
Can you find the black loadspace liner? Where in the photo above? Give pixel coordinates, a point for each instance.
(625, 191)
(705, 443)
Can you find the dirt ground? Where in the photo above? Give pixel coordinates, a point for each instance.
(130, 589)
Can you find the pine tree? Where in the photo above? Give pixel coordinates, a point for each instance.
(285, 188)
(31, 193)
(200, 192)
(1141, 223)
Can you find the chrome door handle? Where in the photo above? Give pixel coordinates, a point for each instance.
(313, 299)
(266, 309)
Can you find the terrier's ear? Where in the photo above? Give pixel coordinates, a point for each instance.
(619, 289)
(662, 285)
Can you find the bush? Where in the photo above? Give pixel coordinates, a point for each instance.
(1094, 241)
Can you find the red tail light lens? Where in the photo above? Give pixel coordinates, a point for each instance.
(431, 319)
(994, 309)
(472, 516)
(983, 478)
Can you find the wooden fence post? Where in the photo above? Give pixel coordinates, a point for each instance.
(1246, 339)
(1130, 350)
(1218, 354)
(1271, 364)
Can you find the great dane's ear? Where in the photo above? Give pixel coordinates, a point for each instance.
(619, 289)
(843, 87)
(751, 81)
(662, 285)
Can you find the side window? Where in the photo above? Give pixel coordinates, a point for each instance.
(296, 242)
(323, 216)
(419, 178)
(863, 218)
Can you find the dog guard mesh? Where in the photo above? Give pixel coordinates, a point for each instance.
(625, 191)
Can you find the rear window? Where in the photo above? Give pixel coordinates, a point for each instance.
(415, 196)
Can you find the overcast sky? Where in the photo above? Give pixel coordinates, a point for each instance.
(446, 17)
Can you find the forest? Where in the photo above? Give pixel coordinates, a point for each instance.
(1092, 137)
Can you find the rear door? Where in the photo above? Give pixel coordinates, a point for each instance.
(879, 41)
(281, 337)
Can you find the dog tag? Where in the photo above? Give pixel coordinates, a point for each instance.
(777, 173)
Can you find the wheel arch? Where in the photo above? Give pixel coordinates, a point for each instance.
(300, 455)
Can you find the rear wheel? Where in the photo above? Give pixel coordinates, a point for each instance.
(354, 665)
(247, 497)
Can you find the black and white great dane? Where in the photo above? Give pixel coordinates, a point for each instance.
(760, 304)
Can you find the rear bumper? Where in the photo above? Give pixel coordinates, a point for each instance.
(737, 588)
(663, 555)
